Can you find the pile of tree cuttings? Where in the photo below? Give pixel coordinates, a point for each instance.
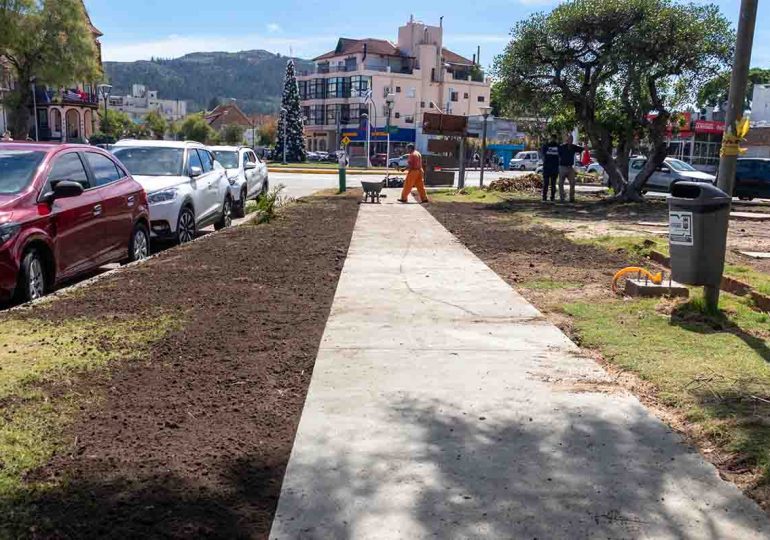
(527, 182)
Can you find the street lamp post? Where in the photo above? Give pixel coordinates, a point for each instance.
(369, 135)
(104, 91)
(34, 107)
(390, 99)
(285, 114)
(485, 113)
(365, 116)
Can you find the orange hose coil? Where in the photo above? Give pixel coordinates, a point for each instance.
(657, 279)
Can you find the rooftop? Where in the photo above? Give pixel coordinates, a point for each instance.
(369, 45)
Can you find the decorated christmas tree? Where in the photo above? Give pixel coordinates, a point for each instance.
(291, 115)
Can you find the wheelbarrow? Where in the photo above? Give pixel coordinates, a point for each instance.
(372, 190)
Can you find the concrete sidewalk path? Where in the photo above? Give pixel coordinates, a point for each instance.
(450, 408)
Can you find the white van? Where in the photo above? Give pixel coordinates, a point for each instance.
(525, 161)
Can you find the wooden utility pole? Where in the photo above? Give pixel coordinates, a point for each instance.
(735, 104)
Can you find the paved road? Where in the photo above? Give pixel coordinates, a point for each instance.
(450, 408)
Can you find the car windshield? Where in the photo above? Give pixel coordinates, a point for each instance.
(680, 165)
(521, 155)
(17, 168)
(151, 160)
(227, 158)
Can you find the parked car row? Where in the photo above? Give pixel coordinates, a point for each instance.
(67, 209)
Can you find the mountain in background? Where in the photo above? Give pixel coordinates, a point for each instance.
(254, 78)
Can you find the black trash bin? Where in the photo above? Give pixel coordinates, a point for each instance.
(698, 214)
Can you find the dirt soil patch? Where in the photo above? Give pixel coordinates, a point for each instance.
(548, 267)
(193, 439)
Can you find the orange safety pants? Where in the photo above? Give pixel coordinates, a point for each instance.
(414, 179)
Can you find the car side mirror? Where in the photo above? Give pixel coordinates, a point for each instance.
(195, 171)
(63, 189)
(250, 165)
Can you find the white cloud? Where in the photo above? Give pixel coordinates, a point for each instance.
(174, 46)
(273, 28)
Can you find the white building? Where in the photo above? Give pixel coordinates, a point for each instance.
(760, 104)
(418, 71)
(142, 101)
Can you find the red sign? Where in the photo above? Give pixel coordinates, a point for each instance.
(709, 126)
(680, 121)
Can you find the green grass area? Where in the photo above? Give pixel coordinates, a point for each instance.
(38, 361)
(714, 368)
(759, 280)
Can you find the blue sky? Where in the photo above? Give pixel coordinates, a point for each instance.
(140, 29)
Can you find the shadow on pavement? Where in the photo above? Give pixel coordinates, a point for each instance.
(586, 478)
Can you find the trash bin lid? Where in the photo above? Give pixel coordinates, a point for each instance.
(697, 194)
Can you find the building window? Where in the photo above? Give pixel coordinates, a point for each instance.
(409, 119)
(316, 89)
(398, 89)
(453, 96)
(338, 87)
(306, 113)
(465, 95)
(316, 116)
(412, 92)
(422, 104)
(355, 113)
(360, 85)
(481, 99)
(302, 86)
(397, 115)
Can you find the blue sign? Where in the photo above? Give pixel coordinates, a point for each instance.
(380, 134)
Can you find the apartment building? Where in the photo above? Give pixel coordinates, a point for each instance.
(350, 84)
(62, 114)
(142, 100)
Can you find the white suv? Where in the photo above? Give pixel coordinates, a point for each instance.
(186, 188)
(246, 173)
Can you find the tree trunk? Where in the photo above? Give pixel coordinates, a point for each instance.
(659, 151)
(19, 106)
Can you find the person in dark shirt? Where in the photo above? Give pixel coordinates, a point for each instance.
(550, 153)
(567, 152)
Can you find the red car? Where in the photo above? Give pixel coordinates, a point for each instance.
(65, 210)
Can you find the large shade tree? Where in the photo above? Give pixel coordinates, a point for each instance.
(48, 42)
(622, 67)
(291, 118)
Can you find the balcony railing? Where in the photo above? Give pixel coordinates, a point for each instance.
(68, 97)
(325, 70)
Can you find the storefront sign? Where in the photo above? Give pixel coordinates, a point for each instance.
(380, 134)
(709, 126)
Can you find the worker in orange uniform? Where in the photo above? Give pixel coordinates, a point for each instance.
(415, 176)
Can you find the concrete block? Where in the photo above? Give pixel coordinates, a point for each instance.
(648, 289)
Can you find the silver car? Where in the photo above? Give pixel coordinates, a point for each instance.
(246, 174)
(671, 170)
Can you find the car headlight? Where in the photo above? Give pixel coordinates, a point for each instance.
(164, 195)
(8, 231)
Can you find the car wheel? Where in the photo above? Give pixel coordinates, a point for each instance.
(239, 210)
(32, 280)
(139, 247)
(523, 168)
(185, 228)
(227, 215)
